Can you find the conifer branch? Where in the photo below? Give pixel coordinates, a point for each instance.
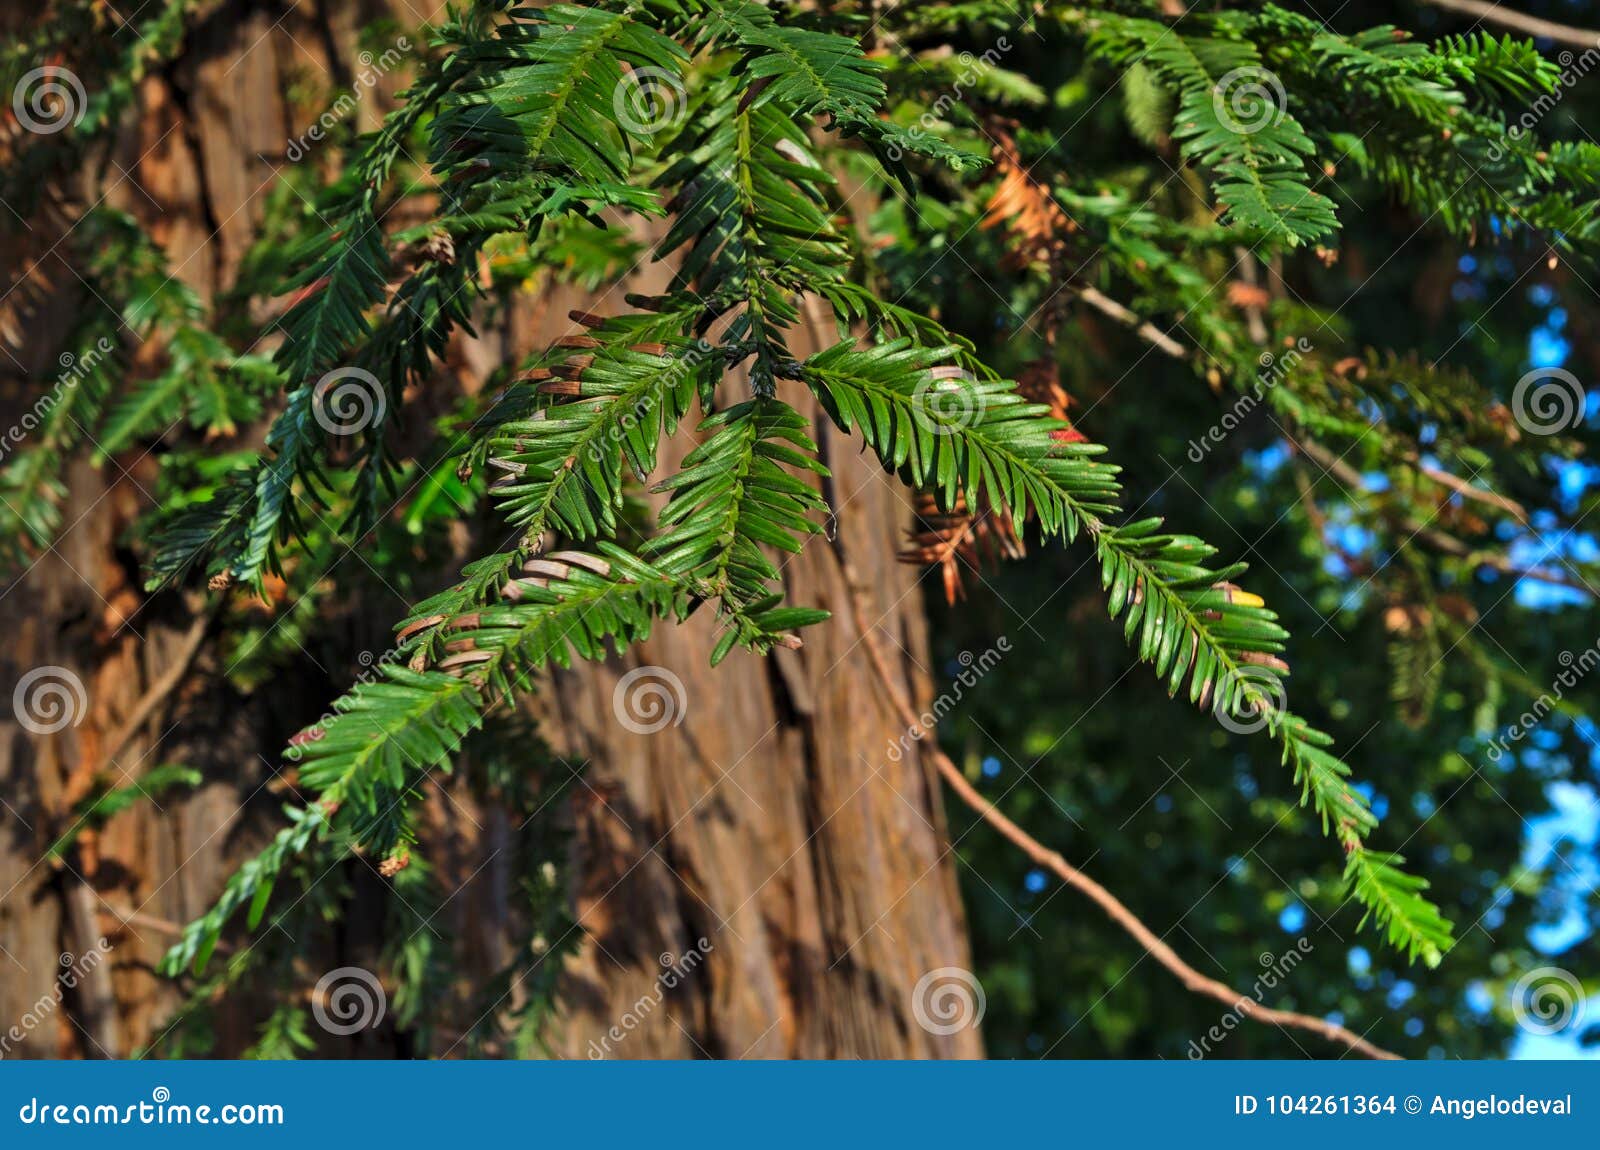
(981, 440)
(524, 128)
(1115, 909)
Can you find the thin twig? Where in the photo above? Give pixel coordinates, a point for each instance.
(128, 916)
(1532, 25)
(1169, 346)
(1250, 273)
(1146, 330)
(1468, 491)
(1192, 979)
(1432, 537)
(152, 699)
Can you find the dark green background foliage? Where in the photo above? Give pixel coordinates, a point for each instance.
(1037, 185)
(1178, 810)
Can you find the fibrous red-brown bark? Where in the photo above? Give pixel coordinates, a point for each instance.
(769, 823)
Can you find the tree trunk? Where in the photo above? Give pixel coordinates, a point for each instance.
(765, 819)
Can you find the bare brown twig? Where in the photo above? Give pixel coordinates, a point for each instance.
(1438, 540)
(1114, 908)
(1146, 330)
(163, 687)
(1468, 491)
(1521, 22)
